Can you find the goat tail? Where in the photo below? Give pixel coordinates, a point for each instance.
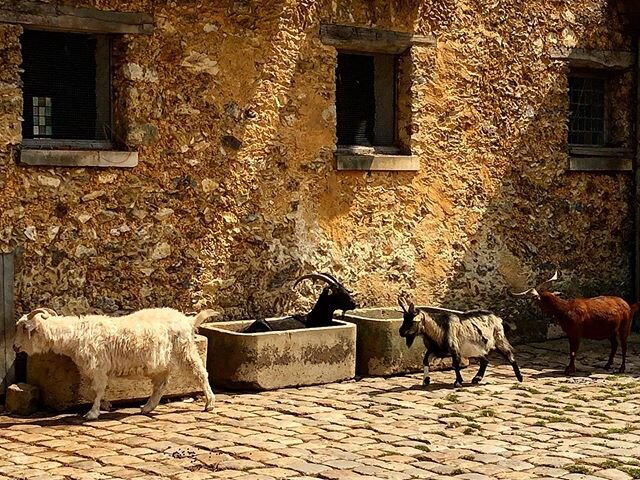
(634, 308)
(204, 315)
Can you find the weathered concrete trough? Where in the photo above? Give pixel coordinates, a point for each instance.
(381, 351)
(277, 359)
(62, 387)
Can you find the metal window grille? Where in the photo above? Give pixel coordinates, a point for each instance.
(42, 126)
(365, 99)
(587, 110)
(62, 96)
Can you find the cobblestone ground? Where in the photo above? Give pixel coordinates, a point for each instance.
(548, 427)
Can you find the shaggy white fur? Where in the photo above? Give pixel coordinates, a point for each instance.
(148, 343)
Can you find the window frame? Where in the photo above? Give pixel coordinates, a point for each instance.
(594, 158)
(393, 146)
(605, 76)
(361, 40)
(104, 94)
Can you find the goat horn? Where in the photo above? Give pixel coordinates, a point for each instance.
(552, 279)
(520, 294)
(317, 276)
(336, 280)
(330, 276)
(403, 303)
(42, 310)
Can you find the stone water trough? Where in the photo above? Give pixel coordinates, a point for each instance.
(381, 351)
(276, 359)
(62, 387)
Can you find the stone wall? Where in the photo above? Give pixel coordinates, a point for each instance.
(231, 106)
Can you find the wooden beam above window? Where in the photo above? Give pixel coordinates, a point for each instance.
(600, 59)
(45, 16)
(363, 39)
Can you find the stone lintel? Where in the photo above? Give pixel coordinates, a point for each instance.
(595, 59)
(45, 16)
(347, 37)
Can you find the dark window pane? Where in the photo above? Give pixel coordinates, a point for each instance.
(60, 75)
(355, 100)
(587, 110)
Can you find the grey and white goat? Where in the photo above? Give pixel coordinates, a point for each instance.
(475, 333)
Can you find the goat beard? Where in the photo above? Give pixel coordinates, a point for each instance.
(409, 339)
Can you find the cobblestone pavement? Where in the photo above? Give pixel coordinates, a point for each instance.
(550, 426)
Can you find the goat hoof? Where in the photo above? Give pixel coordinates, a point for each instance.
(570, 371)
(607, 366)
(457, 384)
(146, 409)
(519, 377)
(426, 381)
(621, 370)
(476, 380)
(91, 415)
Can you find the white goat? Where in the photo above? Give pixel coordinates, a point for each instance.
(475, 333)
(148, 343)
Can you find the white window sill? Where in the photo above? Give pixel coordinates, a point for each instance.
(600, 159)
(78, 158)
(375, 160)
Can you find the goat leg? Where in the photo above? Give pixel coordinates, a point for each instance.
(574, 344)
(159, 382)
(195, 362)
(623, 344)
(99, 385)
(426, 379)
(614, 348)
(483, 367)
(516, 370)
(456, 366)
(506, 350)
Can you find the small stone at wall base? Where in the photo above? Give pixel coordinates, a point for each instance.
(22, 399)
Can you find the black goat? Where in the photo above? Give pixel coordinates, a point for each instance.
(260, 325)
(333, 297)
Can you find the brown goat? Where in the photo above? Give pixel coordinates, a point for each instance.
(597, 318)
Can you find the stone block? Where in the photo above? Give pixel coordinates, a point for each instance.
(269, 360)
(381, 351)
(62, 387)
(22, 399)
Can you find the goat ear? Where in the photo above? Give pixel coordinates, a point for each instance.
(31, 328)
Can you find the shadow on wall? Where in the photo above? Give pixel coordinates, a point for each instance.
(539, 216)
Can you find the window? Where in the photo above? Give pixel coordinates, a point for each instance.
(599, 119)
(587, 107)
(66, 90)
(374, 93)
(365, 99)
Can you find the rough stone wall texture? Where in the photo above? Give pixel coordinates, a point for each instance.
(231, 107)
